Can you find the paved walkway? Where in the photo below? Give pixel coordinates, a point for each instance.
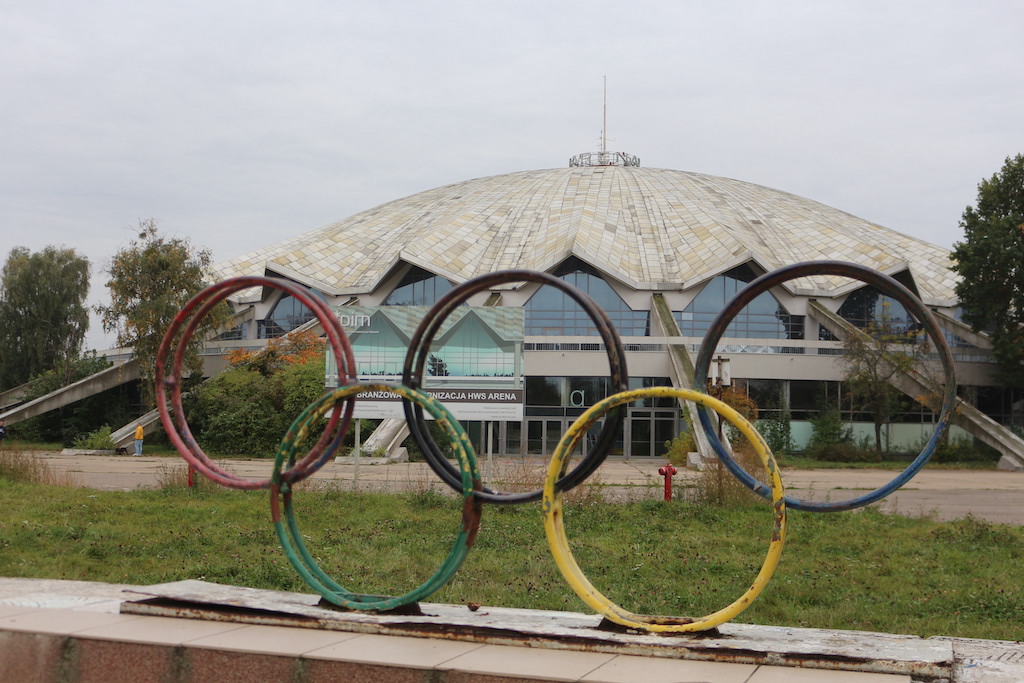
(991, 495)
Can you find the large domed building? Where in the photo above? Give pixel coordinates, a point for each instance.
(630, 237)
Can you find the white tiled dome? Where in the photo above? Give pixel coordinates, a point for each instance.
(650, 228)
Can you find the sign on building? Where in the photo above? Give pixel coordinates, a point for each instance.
(474, 366)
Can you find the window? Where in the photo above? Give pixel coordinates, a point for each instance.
(552, 312)
(287, 314)
(764, 317)
(418, 288)
(867, 306)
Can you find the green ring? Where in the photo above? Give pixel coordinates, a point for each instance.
(291, 539)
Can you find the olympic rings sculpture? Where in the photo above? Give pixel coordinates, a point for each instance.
(464, 477)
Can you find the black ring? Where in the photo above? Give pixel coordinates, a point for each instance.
(416, 358)
(886, 285)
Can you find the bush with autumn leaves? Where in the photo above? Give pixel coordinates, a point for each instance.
(247, 408)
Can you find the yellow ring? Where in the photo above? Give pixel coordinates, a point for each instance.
(555, 529)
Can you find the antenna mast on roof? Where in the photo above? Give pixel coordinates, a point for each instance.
(604, 124)
(604, 157)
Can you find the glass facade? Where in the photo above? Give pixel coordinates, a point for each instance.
(470, 344)
(553, 403)
(418, 288)
(867, 306)
(552, 312)
(287, 314)
(762, 318)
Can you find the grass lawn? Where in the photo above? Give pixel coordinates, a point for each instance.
(859, 570)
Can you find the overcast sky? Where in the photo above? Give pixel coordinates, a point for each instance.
(236, 124)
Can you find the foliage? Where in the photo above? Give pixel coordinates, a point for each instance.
(151, 280)
(239, 411)
(67, 423)
(776, 428)
(25, 467)
(279, 353)
(827, 428)
(439, 436)
(248, 407)
(990, 262)
(738, 400)
(832, 441)
(715, 484)
(677, 449)
(963, 449)
(873, 358)
(98, 440)
(42, 306)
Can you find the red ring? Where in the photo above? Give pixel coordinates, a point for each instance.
(185, 442)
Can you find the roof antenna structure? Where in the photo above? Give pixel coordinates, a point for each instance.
(604, 157)
(604, 123)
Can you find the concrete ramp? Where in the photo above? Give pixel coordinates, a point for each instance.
(125, 436)
(83, 388)
(915, 383)
(14, 396)
(387, 438)
(682, 375)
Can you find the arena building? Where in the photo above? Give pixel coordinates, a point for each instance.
(641, 242)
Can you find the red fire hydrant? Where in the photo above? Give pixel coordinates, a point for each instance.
(668, 471)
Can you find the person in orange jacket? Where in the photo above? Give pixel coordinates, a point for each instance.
(140, 433)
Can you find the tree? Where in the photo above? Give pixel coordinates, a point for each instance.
(990, 262)
(875, 356)
(42, 306)
(151, 280)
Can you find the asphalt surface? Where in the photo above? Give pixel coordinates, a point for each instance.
(991, 495)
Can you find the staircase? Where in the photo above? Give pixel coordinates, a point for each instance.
(915, 383)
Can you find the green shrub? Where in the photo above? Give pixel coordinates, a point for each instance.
(677, 449)
(239, 411)
(828, 428)
(963, 449)
(98, 440)
(844, 451)
(245, 410)
(776, 433)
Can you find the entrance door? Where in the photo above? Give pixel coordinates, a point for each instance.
(648, 430)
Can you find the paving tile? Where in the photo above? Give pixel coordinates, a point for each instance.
(158, 630)
(397, 650)
(8, 610)
(61, 621)
(276, 640)
(788, 674)
(629, 669)
(504, 660)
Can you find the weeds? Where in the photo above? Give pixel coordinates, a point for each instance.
(715, 485)
(19, 466)
(520, 475)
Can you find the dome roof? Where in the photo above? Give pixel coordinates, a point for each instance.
(653, 229)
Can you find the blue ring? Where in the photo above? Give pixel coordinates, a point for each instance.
(886, 285)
